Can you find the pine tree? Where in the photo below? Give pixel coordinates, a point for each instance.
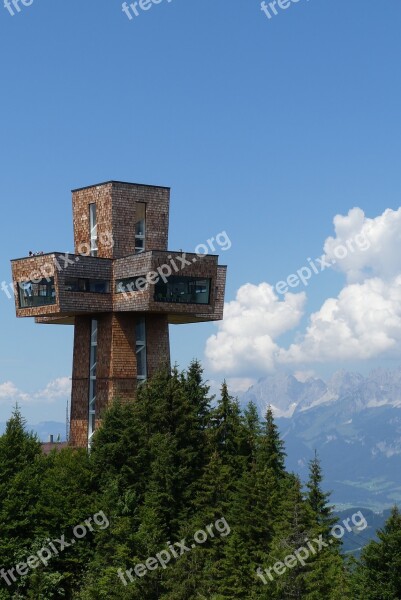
(252, 432)
(326, 571)
(377, 576)
(251, 513)
(272, 452)
(21, 463)
(292, 529)
(197, 392)
(226, 432)
(18, 448)
(155, 463)
(251, 516)
(318, 499)
(202, 571)
(193, 442)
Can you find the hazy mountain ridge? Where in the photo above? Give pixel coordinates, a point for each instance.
(43, 430)
(354, 422)
(288, 395)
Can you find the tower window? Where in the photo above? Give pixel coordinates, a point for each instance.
(93, 228)
(140, 337)
(140, 227)
(184, 290)
(92, 381)
(34, 293)
(82, 284)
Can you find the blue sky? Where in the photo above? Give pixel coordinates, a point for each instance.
(266, 129)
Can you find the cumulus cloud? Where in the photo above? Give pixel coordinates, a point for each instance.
(362, 322)
(54, 390)
(58, 388)
(9, 391)
(253, 321)
(371, 245)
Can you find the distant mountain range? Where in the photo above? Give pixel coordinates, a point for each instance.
(354, 422)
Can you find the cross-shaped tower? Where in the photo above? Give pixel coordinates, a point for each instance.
(120, 289)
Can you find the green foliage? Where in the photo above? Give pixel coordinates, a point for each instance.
(271, 446)
(18, 448)
(378, 573)
(172, 463)
(318, 500)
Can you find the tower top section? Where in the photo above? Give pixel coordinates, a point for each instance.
(117, 183)
(133, 216)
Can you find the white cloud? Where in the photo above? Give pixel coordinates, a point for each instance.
(59, 388)
(362, 322)
(245, 340)
(54, 390)
(9, 391)
(372, 245)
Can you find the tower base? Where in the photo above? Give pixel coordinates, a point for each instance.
(109, 363)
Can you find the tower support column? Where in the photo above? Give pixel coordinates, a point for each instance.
(113, 353)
